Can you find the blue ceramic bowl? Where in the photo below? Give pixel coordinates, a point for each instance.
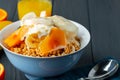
(35, 68)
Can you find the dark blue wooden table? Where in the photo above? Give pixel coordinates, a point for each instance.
(100, 17)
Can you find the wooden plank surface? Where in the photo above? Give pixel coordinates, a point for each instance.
(100, 17)
(105, 28)
(75, 10)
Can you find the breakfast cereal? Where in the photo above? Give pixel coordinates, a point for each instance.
(44, 37)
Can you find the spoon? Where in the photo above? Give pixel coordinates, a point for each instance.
(102, 70)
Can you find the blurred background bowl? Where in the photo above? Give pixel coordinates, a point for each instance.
(35, 68)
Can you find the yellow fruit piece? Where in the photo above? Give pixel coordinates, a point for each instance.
(32, 40)
(15, 38)
(4, 24)
(55, 40)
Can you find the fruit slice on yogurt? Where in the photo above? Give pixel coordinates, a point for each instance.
(65, 24)
(55, 40)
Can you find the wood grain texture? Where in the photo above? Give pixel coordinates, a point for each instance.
(76, 10)
(105, 28)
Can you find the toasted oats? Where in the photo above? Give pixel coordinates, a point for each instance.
(71, 46)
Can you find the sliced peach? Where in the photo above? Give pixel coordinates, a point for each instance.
(15, 37)
(55, 40)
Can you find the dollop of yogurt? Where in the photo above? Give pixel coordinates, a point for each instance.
(41, 29)
(42, 26)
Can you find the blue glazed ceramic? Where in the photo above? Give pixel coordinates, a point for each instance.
(34, 68)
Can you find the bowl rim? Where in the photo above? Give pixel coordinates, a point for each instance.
(72, 53)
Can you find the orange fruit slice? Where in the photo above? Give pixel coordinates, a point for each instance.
(15, 38)
(4, 24)
(3, 15)
(55, 40)
(2, 72)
